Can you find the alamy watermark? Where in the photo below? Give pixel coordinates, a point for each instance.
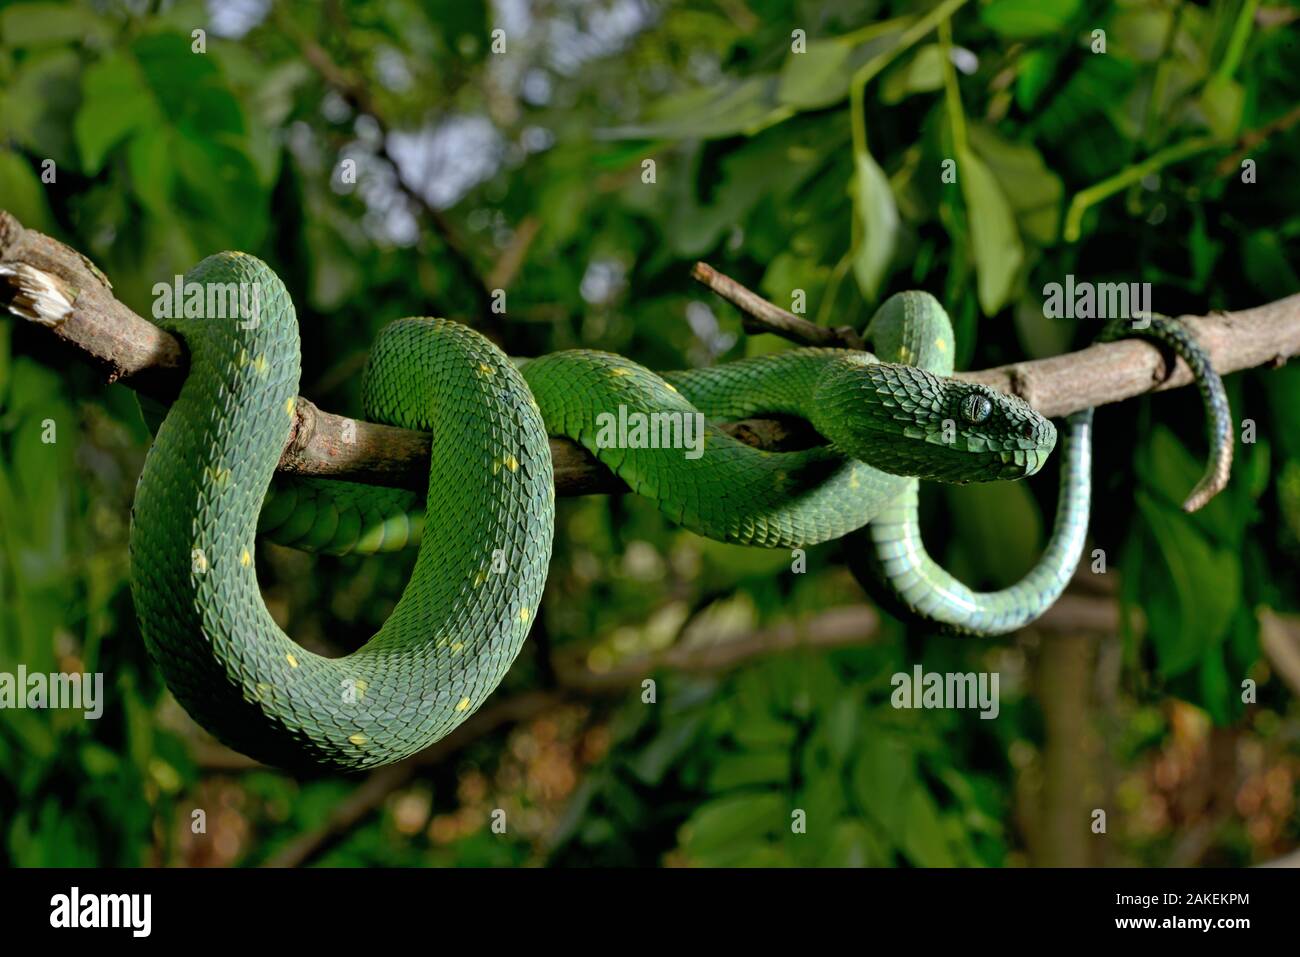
(1100, 300)
(133, 912)
(940, 690)
(208, 300)
(651, 430)
(59, 690)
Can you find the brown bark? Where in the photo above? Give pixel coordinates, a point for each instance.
(133, 351)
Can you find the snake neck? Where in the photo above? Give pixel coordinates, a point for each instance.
(927, 590)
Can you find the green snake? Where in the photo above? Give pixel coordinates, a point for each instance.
(484, 529)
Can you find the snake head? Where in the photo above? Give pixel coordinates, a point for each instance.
(907, 421)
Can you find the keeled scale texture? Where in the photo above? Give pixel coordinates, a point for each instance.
(488, 518)
(459, 623)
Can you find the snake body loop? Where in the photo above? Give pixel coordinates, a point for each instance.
(485, 526)
(477, 580)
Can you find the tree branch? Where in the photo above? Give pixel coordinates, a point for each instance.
(763, 316)
(46, 282)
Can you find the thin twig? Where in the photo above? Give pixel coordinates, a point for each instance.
(1253, 139)
(763, 316)
(357, 95)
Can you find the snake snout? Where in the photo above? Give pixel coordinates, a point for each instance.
(1035, 440)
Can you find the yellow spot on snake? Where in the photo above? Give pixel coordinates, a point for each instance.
(245, 559)
(486, 369)
(457, 647)
(358, 738)
(853, 479)
(464, 703)
(480, 578)
(263, 690)
(523, 614)
(904, 354)
(243, 358)
(260, 365)
(360, 686)
(293, 662)
(511, 463)
(671, 387)
(289, 403)
(941, 345)
(620, 371)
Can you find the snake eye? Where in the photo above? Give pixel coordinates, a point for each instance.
(975, 408)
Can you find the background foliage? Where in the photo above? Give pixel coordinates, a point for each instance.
(817, 171)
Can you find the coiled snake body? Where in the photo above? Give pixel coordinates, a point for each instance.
(485, 533)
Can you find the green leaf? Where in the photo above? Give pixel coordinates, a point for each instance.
(149, 159)
(98, 760)
(653, 762)
(1095, 87)
(1033, 191)
(1221, 102)
(922, 73)
(1139, 31)
(733, 771)
(876, 219)
(1040, 336)
(115, 101)
(1033, 72)
(856, 845)
(1215, 687)
(726, 108)
(189, 89)
(22, 193)
(924, 841)
(1206, 589)
(842, 726)
(40, 100)
(817, 77)
(735, 820)
(218, 188)
(883, 776)
(34, 24)
(995, 241)
(762, 731)
(1021, 19)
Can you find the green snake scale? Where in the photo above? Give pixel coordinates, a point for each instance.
(206, 492)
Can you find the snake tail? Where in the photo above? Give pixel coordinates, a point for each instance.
(1218, 417)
